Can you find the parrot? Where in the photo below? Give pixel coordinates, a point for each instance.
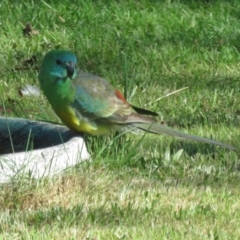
(89, 104)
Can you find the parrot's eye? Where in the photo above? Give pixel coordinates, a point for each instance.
(58, 62)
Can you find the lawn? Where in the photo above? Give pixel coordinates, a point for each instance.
(135, 187)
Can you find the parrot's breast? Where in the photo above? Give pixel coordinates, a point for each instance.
(69, 117)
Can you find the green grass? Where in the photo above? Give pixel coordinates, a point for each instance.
(157, 187)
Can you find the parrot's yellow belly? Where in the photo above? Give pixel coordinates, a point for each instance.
(68, 116)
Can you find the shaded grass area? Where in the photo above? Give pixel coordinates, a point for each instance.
(137, 187)
(81, 206)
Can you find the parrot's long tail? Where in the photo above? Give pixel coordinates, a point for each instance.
(158, 128)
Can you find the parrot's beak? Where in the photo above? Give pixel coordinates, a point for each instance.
(70, 66)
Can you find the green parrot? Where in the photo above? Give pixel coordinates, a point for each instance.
(88, 103)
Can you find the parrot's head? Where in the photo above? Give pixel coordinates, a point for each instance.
(57, 67)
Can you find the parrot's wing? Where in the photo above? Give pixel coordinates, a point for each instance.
(96, 99)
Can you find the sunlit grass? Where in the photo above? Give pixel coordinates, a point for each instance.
(136, 187)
